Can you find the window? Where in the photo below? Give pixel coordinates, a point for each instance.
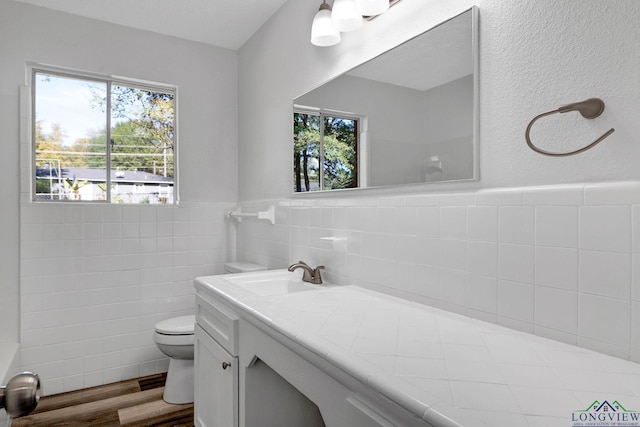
(325, 151)
(102, 140)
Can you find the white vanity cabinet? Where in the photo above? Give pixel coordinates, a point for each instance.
(216, 365)
(247, 374)
(216, 385)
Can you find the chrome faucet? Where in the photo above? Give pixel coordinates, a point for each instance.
(311, 275)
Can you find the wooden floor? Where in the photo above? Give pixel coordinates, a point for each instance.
(133, 403)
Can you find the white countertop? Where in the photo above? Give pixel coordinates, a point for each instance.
(441, 365)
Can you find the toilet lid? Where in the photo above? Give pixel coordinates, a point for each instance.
(183, 325)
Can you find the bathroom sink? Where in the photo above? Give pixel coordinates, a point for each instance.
(271, 283)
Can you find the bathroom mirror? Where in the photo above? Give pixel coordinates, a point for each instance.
(408, 116)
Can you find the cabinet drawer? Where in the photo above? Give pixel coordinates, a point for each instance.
(218, 321)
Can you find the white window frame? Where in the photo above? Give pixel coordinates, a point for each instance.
(109, 80)
(361, 144)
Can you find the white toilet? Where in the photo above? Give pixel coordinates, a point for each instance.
(175, 338)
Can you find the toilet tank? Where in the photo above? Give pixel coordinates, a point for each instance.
(242, 267)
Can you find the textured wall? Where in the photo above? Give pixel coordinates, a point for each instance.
(534, 57)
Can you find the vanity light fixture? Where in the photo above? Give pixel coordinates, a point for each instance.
(322, 31)
(346, 15)
(373, 7)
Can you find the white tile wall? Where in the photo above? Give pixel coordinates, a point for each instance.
(96, 278)
(559, 261)
(556, 226)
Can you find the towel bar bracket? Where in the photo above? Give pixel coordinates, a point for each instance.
(269, 214)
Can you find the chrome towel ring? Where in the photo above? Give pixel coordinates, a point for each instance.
(589, 109)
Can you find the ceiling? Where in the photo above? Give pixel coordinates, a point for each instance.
(223, 23)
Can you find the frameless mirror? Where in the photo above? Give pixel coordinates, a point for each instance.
(407, 116)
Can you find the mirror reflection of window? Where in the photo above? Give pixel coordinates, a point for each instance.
(325, 152)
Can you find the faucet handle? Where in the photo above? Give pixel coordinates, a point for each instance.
(317, 277)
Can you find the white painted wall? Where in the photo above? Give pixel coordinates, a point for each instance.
(94, 279)
(9, 194)
(534, 57)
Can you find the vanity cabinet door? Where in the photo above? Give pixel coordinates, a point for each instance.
(216, 383)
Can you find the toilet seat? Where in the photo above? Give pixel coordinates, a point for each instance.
(183, 325)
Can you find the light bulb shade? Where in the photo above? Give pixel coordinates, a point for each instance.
(373, 7)
(346, 16)
(322, 31)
